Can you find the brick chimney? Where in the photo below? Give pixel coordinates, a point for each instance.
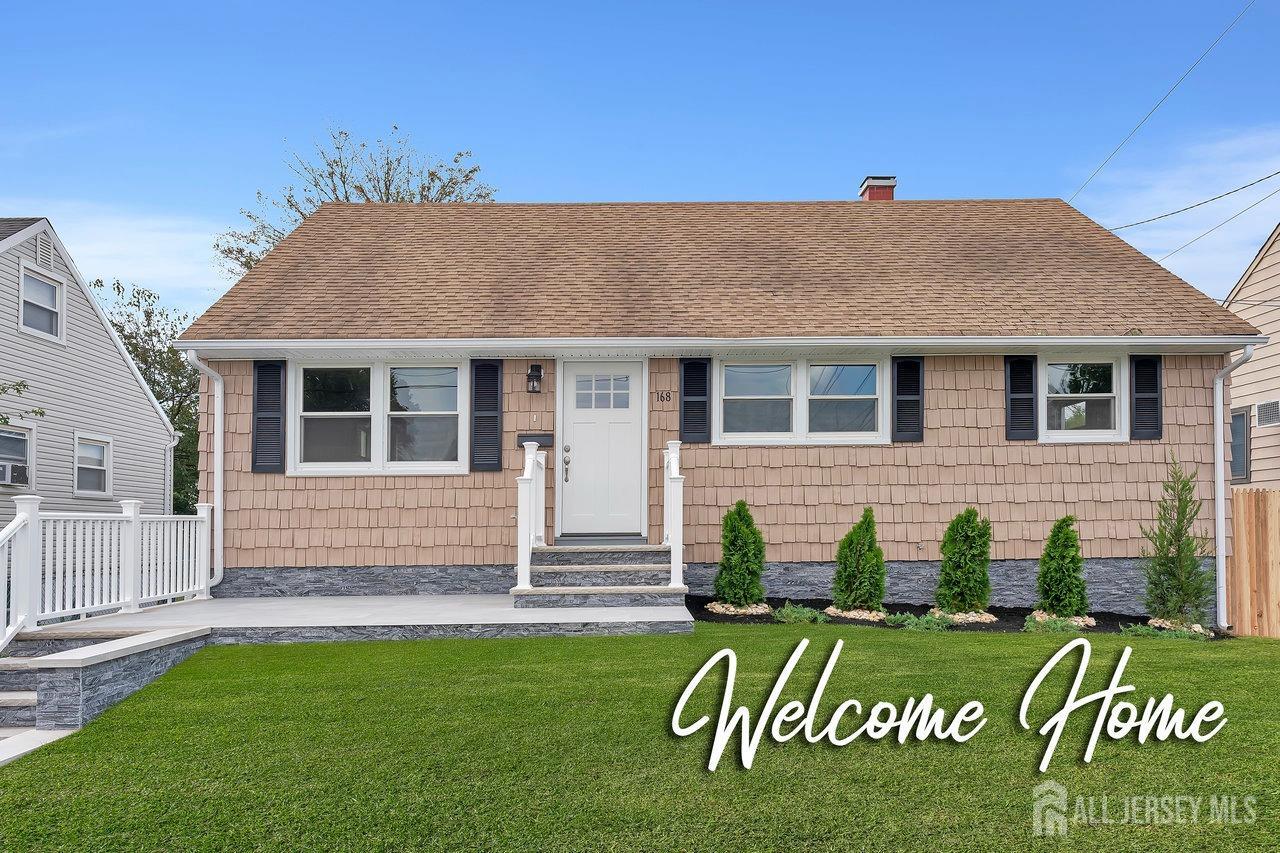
(877, 188)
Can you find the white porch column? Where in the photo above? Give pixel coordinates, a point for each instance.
(131, 555)
(674, 512)
(203, 539)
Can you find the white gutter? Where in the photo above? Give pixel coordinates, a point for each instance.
(215, 379)
(1220, 483)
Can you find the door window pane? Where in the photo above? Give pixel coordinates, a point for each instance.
(424, 389)
(610, 392)
(342, 439)
(424, 438)
(335, 389)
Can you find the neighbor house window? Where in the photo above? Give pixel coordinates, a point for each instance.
(757, 398)
(1240, 445)
(93, 466)
(337, 421)
(842, 398)
(41, 304)
(423, 421)
(801, 402)
(15, 457)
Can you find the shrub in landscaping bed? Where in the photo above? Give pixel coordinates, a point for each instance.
(1049, 625)
(741, 559)
(963, 582)
(797, 613)
(1168, 633)
(1060, 580)
(859, 580)
(911, 622)
(1178, 584)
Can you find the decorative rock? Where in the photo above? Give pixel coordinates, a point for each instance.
(723, 609)
(1170, 625)
(856, 613)
(971, 618)
(1080, 622)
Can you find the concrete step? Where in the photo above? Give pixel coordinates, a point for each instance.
(596, 555)
(25, 741)
(17, 708)
(15, 674)
(600, 596)
(47, 641)
(623, 574)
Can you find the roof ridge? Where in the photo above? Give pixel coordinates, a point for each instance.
(678, 203)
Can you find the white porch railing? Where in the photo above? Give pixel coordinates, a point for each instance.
(531, 510)
(60, 565)
(673, 510)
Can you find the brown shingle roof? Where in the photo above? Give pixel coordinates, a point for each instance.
(725, 270)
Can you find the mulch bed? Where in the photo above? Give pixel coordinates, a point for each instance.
(1009, 618)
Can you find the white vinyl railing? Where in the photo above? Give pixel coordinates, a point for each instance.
(531, 511)
(60, 565)
(673, 510)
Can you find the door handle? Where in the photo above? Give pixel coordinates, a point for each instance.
(566, 468)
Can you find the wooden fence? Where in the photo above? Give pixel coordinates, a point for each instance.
(1253, 579)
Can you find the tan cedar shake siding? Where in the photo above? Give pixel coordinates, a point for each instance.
(805, 498)
(277, 520)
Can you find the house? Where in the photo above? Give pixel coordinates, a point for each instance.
(103, 437)
(393, 377)
(1255, 397)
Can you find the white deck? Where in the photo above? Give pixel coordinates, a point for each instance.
(365, 610)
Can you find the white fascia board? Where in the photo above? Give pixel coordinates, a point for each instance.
(677, 346)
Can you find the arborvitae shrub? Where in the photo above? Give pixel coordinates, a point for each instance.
(741, 559)
(1061, 577)
(1179, 586)
(963, 582)
(859, 581)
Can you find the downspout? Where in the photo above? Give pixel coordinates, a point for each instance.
(215, 380)
(1220, 483)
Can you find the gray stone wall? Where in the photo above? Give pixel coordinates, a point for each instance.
(70, 697)
(365, 580)
(1115, 585)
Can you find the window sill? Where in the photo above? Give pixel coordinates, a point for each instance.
(95, 496)
(1086, 438)
(44, 336)
(792, 440)
(444, 469)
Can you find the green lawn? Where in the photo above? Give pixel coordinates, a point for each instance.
(564, 744)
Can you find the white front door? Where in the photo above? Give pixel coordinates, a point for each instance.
(601, 459)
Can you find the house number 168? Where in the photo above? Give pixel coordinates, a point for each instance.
(662, 396)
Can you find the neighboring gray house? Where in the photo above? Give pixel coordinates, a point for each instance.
(103, 436)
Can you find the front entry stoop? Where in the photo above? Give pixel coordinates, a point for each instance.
(595, 575)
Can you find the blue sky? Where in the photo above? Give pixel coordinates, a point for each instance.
(149, 126)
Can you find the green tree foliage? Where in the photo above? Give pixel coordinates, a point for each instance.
(349, 170)
(1061, 577)
(148, 330)
(859, 580)
(741, 559)
(1179, 585)
(17, 389)
(963, 582)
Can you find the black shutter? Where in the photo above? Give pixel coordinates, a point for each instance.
(1020, 398)
(486, 415)
(908, 399)
(695, 399)
(1146, 415)
(268, 418)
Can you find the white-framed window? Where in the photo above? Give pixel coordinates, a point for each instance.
(396, 417)
(1083, 398)
(17, 451)
(1240, 445)
(92, 466)
(41, 303)
(806, 401)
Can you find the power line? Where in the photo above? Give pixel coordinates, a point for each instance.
(1197, 204)
(1219, 225)
(1160, 102)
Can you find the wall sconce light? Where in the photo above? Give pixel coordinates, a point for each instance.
(534, 378)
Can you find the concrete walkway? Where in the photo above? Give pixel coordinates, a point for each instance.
(372, 611)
